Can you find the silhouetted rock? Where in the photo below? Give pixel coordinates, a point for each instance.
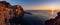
(50, 22)
(58, 19)
(55, 21)
(27, 13)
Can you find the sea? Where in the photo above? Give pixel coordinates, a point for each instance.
(38, 17)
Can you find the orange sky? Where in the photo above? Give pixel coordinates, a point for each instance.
(44, 8)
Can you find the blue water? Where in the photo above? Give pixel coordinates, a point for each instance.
(36, 18)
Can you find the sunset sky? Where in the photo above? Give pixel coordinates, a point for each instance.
(36, 4)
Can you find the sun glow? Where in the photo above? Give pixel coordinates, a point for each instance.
(53, 9)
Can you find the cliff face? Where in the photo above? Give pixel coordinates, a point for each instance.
(2, 15)
(9, 12)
